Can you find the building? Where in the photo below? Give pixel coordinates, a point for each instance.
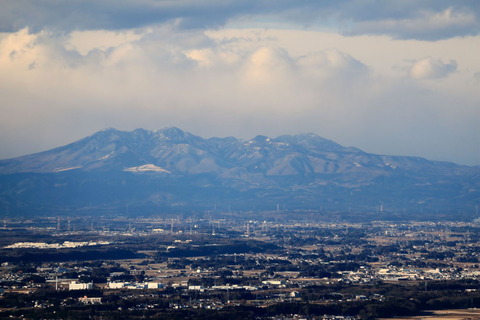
(80, 286)
(154, 285)
(128, 285)
(91, 300)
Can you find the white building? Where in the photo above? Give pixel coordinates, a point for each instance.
(196, 288)
(116, 285)
(128, 285)
(80, 286)
(154, 285)
(91, 300)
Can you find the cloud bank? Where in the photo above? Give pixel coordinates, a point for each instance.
(389, 77)
(426, 20)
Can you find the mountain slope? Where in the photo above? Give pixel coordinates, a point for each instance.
(168, 169)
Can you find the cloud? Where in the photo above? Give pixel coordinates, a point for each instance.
(267, 65)
(476, 76)
(148, 79)
(426, 20)
(58, 88)
(332, 62)
(429, 68)
(124, 14)
(426, 25)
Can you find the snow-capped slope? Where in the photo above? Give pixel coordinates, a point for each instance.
(180, 168)
(147, 168)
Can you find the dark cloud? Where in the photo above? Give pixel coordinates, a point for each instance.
(424, 24)
(119, 14)
(409, 19)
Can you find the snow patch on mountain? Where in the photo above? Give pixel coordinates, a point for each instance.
(65, 169)
(147, 168)
(388, 164)
(105, 157)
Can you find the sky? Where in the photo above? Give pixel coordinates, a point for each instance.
(389, 77)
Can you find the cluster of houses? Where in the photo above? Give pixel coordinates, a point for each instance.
(74, 285)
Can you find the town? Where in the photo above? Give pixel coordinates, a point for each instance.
(217, 268)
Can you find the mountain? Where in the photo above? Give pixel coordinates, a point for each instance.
(170, 170)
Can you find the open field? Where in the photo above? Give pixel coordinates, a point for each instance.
(452, 314)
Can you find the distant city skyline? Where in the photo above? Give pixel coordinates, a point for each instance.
(388, 77)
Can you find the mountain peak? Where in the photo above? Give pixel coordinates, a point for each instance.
(169, 129)
(261, 138)
(174, 134)
(178, 136)
(311, 140)
(105, 132)
(170, 166)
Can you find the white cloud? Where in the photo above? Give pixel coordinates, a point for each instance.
(266, 66)
(332, 62)
(85, 41)
(429, 68)
(56, 89)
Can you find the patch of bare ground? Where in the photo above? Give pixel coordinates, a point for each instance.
(453, 314)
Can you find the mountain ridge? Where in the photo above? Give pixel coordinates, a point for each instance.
(171, 168)
(174, 135)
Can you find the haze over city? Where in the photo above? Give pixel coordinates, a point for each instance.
(389, 77)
